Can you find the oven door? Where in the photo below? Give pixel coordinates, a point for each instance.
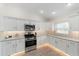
(29, 43)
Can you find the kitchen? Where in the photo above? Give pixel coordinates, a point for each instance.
(39, 29)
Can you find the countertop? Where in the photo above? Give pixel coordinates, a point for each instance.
(11, 39)
(57, 36)
(66, 38)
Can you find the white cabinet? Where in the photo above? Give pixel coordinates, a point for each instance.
(74, 23)
(2, 49)
(20, 45)
(52, 41)
(38, 41)
(1, 24)
(62, 45)
(9, 24)
(72, 48)
(41, 40)
(12, 24)
(17, 45)
(1, 52)
(68, 46)
(20, 25)
(11, 46)
(58, 43)
(5, 48)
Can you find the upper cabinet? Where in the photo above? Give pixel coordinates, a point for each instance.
(1, 24)
(12, 24)
(20, 25)
(74, 23)
(16, 24)
(7, 24)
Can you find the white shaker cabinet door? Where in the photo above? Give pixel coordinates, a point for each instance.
(74, 23)
(20, 25)
(38, 41)
(8, 48)
(62, 45)
(20, 45)
(13, 47)
(72, 48)
(52, 41)
(41, 40)
(1, 50)
(1, 24)
(56, 42)
(9, 24)
(5, 48)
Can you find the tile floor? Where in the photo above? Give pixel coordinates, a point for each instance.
(44, 51)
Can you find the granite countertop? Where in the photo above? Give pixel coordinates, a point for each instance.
(57, 36)
(66, 38)
(11, 39)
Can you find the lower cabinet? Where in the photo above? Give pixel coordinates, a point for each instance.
(52, 41)
(20, 45)
(41, 40)
(62, 45)
(5, 48)
(72, 48)
(11, 46)
(57, 42)
(68, 46)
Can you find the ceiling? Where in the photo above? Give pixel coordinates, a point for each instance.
(61, 9)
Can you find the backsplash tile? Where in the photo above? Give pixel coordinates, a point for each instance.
(11, 34)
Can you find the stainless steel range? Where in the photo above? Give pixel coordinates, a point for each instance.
(30, 38)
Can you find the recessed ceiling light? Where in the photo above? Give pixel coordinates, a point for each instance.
(41, 11)
(69, 4)
(53, 12)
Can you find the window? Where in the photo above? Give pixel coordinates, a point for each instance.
(62, 28)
